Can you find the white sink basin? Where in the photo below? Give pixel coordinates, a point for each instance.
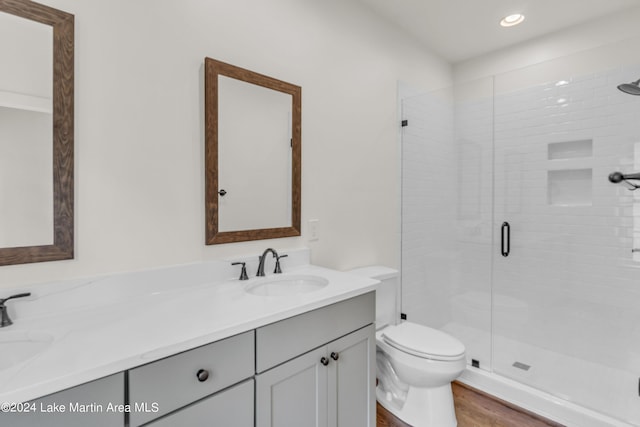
(17, 347)
(286, 286)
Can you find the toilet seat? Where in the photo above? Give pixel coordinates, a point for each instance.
(424, 342)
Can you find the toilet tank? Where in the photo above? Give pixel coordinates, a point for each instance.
(387, 293)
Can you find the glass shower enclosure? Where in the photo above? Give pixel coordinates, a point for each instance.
(514, 240)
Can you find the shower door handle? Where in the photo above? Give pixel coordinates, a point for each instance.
(505, 239)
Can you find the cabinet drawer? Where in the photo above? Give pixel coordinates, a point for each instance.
(172, 383)
(281, 341)
(97, 404)
(229, 408)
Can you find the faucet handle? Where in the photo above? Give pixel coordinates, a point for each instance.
(278, 270)
(22, 295)
(243, 272)
(4, 316)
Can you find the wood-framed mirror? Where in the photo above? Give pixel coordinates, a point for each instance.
(36, 133)
(252, 155)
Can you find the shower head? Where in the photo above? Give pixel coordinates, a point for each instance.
(632, 88)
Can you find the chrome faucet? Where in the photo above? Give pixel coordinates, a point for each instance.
(263, 258)
(5, 320)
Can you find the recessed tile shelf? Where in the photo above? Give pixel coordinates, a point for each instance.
(570, 149)
(570, 187)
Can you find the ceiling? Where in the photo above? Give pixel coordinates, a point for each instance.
(462, 29)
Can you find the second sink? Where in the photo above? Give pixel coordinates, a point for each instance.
(286, 286)
(17, 347)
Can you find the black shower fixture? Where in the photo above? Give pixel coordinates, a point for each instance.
(632, 88)
(618, 177)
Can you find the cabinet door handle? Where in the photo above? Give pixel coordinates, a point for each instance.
(335, 356)
(202, 375)
(505, 239)
(324, 361)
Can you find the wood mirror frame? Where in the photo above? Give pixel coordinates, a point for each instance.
(62, 135)
(213, 69)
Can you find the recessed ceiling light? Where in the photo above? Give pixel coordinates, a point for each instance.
(511, 20)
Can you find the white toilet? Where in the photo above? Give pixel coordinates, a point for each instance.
(415, 364)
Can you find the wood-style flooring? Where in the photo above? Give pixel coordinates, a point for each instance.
(477, 409)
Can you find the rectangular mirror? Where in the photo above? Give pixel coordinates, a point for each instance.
(36, 133)
(253, 131)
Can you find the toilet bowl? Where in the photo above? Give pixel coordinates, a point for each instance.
(415, 364)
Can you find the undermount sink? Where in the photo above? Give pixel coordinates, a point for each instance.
(286, 286)
(17, 347)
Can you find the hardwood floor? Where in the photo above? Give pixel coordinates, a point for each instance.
(477, 409)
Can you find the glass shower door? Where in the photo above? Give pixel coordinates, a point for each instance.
(447, 155)
(566, 284)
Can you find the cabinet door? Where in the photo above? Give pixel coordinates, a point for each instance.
(294, 393)
(229, 408)
(96, 404)
(351, 380)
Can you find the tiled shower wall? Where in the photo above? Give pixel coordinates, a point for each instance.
(566, 302)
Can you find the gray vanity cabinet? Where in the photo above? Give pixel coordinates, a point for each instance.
(164, 386)
(316, 369)
(230, 408)
(99, 403)
(294, 394)
(352, 380)
(305, 392)
(332, 384)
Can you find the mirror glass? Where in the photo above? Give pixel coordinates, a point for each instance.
(36, 133)
(26, 124)
(253, 155)
(254, 142)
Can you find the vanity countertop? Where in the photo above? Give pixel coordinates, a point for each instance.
(146, 323)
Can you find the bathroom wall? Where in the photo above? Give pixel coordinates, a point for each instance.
(139, 127)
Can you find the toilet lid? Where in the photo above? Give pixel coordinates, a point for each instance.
(424, 342)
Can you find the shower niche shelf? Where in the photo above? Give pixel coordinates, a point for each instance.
(570, 150)
(570, 187)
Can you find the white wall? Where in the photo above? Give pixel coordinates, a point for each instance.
(139, 126)
(574, 40)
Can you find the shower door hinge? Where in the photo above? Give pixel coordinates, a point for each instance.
(475, 363)
(405, 123)
(403, 316)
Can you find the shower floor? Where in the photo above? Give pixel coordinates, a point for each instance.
(585, 383)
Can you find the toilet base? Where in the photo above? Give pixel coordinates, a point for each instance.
(424, 407)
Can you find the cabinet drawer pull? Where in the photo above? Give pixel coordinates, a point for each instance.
(335, 356)
(324, 361)
(202, 375)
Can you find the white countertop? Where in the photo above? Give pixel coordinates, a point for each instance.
(128, 320)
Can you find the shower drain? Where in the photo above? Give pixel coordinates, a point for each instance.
(521, 365)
